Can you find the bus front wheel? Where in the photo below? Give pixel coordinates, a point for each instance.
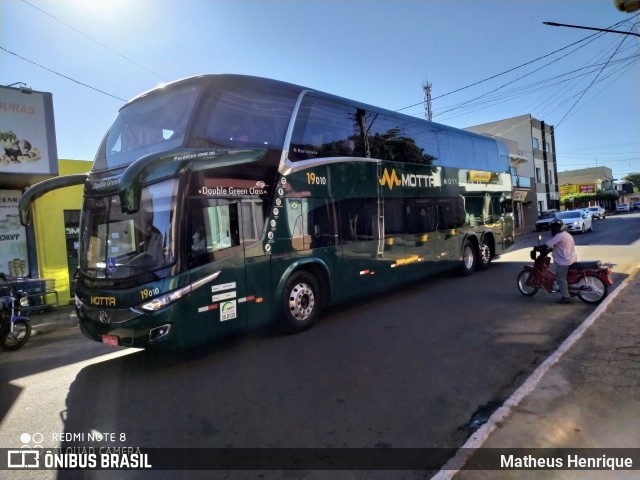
(302, 301)
(468, 258)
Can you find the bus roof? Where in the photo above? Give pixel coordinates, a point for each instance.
(499, 163)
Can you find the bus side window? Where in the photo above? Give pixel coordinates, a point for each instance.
(252, 217)
(312, 227)
(451, 213)
(324, 128)
(354, 219)
(394, 220)
(324, 230)
(214, 229)
(421, 215)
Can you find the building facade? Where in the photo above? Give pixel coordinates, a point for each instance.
(600, 177)
(532, 151)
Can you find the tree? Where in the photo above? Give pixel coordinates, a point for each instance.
(579, 200)
(633, 178)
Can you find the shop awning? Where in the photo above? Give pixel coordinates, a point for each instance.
(519, 195)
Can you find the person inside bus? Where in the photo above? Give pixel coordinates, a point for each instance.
(198, 245)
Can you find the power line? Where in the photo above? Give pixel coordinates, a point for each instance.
(96, 41)
(554, 24)
(590, 85)
(61, 75)
(519, 66)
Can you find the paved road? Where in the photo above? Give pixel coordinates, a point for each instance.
(410, 369)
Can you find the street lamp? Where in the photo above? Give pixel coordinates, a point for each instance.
(627, 5)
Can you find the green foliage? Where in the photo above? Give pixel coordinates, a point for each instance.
(633, 178)
(579, 199)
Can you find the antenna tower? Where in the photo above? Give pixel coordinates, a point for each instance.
(426, 86)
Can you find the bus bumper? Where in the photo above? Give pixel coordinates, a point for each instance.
(139, 330)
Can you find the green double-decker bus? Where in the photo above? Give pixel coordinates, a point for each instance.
(219, 203)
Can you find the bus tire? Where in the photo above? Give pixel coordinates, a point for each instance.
(468, 258)
(301, 301)
(484, 255)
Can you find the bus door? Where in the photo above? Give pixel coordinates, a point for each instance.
(258, 301)
(214, 245)
(421, 222)
(361, 236)
(450, 217)
(394, 256)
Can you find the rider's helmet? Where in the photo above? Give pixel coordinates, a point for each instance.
(557, 226)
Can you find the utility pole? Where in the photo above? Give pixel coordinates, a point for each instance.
(426, 86)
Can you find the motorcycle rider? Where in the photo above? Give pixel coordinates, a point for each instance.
(564, 255)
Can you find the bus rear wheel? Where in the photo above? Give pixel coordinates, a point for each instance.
(302, 302)
(484, 257)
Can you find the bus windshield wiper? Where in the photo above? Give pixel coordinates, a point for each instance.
(210, 142)
(138, 267)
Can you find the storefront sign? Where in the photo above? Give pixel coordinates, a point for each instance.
(519, 195)
(13, 239)
(479, 176)
(27, 133)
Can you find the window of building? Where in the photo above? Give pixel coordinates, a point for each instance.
(536, 144)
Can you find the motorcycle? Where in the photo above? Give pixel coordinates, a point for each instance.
(15, 328)
(588, 280)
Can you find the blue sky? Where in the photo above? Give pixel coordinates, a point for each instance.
(93, 54)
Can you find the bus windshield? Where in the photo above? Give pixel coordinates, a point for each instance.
(231, 115)
(153, 123)
(116, 245)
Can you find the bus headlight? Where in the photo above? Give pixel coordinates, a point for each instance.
(166, 299)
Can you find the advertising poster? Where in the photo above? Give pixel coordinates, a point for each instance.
(13, 238)
(27, 133)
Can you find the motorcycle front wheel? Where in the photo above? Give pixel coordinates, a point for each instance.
(526, 290)
(591, 289)
(13, 341)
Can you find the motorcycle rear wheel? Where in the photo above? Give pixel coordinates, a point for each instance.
(526, 290)
(597, 292)
(13, 341)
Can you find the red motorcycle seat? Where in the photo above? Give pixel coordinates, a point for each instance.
(588, 265)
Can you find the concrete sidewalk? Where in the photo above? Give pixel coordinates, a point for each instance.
(586, 395)
(63, 316)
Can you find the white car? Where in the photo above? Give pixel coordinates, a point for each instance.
(598, 212)
(623, 207)
(577, 220)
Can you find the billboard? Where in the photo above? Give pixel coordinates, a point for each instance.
(575, 188)
(13, 240)
(27, 133)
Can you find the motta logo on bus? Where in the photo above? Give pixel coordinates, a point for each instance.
(412, 180)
